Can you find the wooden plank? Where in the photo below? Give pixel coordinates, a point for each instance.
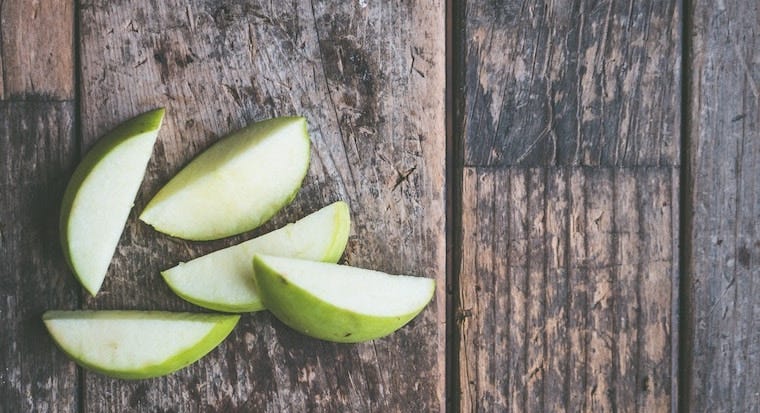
(725, 233)
(369, 76)
(577, 300)
(37, 50)
(585, 294)
(575, 106)
(627, 250)
(535, 340)
(517, 253)
(571, 82)
(36, 155)
(556, 326)
(600, 263)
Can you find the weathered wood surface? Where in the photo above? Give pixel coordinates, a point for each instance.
(567, 275)
(724, 117)
(369, 77)
(567, 147)
(566, 284)
(570, 82)
(37, 153)
(36, 50)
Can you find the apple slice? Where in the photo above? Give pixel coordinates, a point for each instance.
(137, 344)
(100, 195)
(223, 280)
(235, 185)
(337, 302)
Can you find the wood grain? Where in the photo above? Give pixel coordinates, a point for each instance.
(571, 82)
(369, 77)
(566, 289)
(36, 50)
(37, 153)
(725, 165)
(568, 266)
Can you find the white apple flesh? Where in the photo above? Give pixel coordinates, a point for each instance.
(223, 280)
(235, 185)
(337, 302)
(100, 195)
(137, 344)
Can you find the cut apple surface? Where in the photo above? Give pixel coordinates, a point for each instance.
(223, 280)
(100, 195)
(235, 185)
(137, 344)
(337, 302)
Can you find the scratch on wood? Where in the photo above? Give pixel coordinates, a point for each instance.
(190, 19)
(747, 72)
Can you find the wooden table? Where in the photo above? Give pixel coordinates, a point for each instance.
(580, 177)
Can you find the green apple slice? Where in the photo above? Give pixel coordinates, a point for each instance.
(137, 344)
(235, 185)
(337, 302)
(223, 280)
(100, 195)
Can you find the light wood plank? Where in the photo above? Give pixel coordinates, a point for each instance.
(586, 295)
(627, 248)
(37, 50)
(557, 220)
(578, 296)
(369, 76)
(600, 268)
(535, 327)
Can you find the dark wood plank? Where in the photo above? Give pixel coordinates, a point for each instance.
(37, 154)
(369, 77)
(570, 131)
(725, 165)
(571, 82)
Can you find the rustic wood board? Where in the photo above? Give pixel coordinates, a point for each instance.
(568, 125)
(37, 153)
(36, 50)
(724, 114)
(570, 82)
(566, 284)
(369, 76)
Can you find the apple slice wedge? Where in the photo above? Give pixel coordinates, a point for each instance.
(337, 302)
(223, 280)
(100, 195)
(235, 185)
(137, 344)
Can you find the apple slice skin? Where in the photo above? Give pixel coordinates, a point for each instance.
(324, 320)
(137, 127)
(238, 259)
(340, 236)
(197, 204)
(224, 324)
